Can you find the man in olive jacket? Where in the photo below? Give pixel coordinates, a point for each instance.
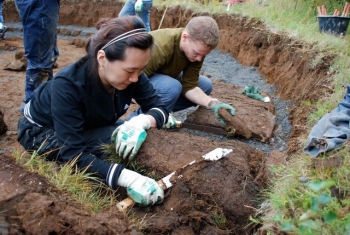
(176, 60)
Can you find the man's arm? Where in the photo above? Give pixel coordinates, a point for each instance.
(197, 96)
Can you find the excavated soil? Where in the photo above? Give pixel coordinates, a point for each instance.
(208, 197)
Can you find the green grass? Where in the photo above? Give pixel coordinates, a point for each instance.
(297, 208)
(78, 185)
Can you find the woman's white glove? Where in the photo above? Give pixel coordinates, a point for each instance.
(172, 123)
(141, 189)
(130, 135)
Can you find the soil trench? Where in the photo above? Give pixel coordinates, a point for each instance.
(211, 197)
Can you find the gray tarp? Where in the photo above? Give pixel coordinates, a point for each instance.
(332, 130)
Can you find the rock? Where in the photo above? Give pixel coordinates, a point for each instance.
(303, 179)
(16, 66)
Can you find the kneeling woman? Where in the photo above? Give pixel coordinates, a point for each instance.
(71, 115)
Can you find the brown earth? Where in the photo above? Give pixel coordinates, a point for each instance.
(211, 197)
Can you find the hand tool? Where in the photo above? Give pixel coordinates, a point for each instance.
(209, 129)
(166, 183)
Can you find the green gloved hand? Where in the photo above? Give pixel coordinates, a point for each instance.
(130, 135)
(141, 189)
(172, 123)
(253, 92)
(215, 105)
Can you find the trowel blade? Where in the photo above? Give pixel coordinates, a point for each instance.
(213, 155)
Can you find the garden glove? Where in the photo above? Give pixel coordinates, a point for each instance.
(254, 93)
(215, 105)
(138, 6)
(130, 135)
(141, 189)
(172, 123)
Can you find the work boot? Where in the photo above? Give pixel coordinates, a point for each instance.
(2, 32)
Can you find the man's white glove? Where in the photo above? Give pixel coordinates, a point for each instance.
(130, 135)
(141, 189)
(172, 123)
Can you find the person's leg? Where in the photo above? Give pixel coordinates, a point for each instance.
(3, 27)
(168, 89)
(204, 83)
(146, 13)
(41, 52)
(1, 16)
(40, 139)
(96, 138)
(44, 141)
(128, 8)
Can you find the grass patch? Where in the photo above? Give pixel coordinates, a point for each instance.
(316, 204)
(86, 189)
(89, 191)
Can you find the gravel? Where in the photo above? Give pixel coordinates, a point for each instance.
(224, 67)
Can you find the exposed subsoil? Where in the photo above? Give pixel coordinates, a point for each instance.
(211, 197)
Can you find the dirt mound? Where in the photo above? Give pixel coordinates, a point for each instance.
(32, 206)
(253, 118)
(210, 196)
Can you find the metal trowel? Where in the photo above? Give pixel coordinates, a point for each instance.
(166, 183)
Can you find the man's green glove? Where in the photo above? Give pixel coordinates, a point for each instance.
(172, 123)
(130, 135)
(215, 105)
(141, 189)
(253, 92)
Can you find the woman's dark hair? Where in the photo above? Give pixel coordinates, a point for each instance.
(111, 28)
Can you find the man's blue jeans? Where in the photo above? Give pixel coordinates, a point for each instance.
(129, 9)
(169, 90)
(40, 20)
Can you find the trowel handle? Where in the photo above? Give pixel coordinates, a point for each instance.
(178, 124)
(127, 203)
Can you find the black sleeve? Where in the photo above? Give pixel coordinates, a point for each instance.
(146, 96)
(68, 124)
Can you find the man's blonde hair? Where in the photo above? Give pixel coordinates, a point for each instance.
(204, 29)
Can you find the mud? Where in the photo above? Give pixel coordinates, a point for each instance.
(30, 205)
(211, 197)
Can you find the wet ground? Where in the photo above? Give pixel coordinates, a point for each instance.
(211, 197)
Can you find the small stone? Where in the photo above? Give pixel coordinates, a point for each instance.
(303, 179)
